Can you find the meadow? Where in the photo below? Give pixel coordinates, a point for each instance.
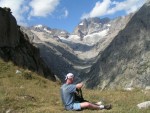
(28, 92)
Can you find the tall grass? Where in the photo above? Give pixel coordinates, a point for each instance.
(27, 92)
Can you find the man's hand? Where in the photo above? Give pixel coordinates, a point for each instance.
(79, 85)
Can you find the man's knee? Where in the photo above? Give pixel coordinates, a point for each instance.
(88, 104)
(85, 104)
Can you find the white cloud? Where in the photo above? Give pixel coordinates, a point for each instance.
(43, 7)
(66, 13)
(99, 9)
(23, 10)
(17, 8)
(63, 13)
(128, 6)
(108, 7)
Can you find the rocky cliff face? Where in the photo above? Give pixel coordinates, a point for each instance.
(126, 61)
(8, 29)
(15, 45)
(89, 26)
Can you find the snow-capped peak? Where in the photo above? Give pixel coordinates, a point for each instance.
(81, 24)
(38, 26)
(42, 28)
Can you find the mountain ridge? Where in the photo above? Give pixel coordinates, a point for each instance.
(125, 62)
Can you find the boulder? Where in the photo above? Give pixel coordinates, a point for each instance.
(144, 105)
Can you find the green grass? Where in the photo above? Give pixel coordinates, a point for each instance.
(28, 92)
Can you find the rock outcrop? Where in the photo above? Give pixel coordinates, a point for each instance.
(144, 105)
(15, 45)
(8, 29)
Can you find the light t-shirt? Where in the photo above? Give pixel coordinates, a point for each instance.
(67, 95)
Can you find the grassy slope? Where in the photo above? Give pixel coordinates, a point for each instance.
(29, 93)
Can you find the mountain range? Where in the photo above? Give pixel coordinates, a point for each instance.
(72, 52)
(103, 53)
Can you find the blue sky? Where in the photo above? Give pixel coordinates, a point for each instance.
(66, 14)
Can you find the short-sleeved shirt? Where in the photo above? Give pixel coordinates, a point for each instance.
(67, 95)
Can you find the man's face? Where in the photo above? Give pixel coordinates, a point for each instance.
(72, 79)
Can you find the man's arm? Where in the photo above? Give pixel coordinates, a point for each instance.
(79, 85)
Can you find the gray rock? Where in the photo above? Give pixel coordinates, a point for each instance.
(147, 88)
(144, 105)
(16, 45)
(8, 29)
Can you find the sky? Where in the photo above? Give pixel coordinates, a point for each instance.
(66, 14)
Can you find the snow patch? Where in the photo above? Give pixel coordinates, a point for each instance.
(62, 32)
(89, 40)
(81, 24)
(71, 38)
(92, 39)
(108, 25)
(63, 39)
(47, 30)
(74, 37)
(38, 26)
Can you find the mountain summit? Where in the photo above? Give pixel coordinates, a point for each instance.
(90, 25)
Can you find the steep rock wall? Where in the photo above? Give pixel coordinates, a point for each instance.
(126, 61)
(8, 28)
(16, 46)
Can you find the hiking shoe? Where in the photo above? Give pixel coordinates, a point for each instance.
(99, 103)
(108, 107)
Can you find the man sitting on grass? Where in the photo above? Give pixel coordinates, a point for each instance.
(67, 94)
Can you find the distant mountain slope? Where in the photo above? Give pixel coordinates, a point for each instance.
(51, 32)
(59, 57)
(73, 54)
(126, 61)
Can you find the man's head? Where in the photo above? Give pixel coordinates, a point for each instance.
(69, 77)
